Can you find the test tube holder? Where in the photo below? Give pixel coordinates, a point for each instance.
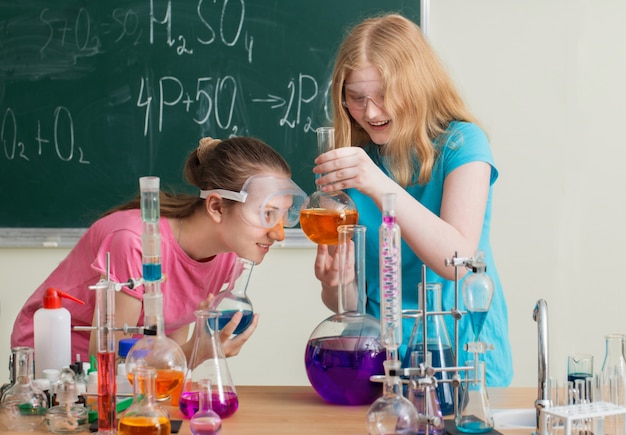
(569, 414)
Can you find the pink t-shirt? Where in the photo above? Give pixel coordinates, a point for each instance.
(188, 281)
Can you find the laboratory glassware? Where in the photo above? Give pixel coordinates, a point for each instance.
(12, 374)
(392, 413)
(234, 297)
(477, 293)
(474, 413)
(579, 367)
(105, 320)
(67, 417)
(208, 362)
(613, 377)
(437, 344)
(23, 405)
(205, 421)
(390, 278)
(155, 349)
(144, 416)
(323, 212)
(345, 350)
(422, 393)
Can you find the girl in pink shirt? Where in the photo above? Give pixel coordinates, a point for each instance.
(245, 198)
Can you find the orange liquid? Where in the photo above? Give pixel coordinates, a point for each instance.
(140, 425)
(166, 382)
(320, 225)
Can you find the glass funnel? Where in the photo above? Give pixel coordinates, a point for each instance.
(234, 297)
(345, 349)
(477, 293)
(144, 416)
(438, 345)
(23, 405)
(323, 212)
(208, 362)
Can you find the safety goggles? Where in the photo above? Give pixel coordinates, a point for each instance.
(266, 200)
(356, 95)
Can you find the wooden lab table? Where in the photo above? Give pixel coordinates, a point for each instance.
(298, 410)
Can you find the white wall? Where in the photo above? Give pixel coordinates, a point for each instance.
(546, 78)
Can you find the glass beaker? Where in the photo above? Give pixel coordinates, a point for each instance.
(205, 421)
(23, 405)
(392, 413)
(144, 416)
(345, 349)
(323, 212)
(438, 344)
(234, 297)
(208, 362)
(474, 413)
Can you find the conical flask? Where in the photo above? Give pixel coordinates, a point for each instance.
(144, 416)
(24, 406)
(234, 297)
(392, 414)
(438, 344)
(323, 212)
(345, 349)
(474, 413)
(208, 362)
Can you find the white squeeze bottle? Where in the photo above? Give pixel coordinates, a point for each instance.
(52, 325)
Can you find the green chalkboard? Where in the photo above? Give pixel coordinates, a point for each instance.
(95, 94)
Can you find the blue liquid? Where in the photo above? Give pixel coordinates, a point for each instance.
(573, 377)
(478, 320)
(339, 368)
(226, 316)
(441, 357)
(151, 272)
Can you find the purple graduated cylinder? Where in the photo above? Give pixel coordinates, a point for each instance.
(339, 369)
(189, 403)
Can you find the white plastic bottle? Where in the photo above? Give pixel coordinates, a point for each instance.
(52, 333)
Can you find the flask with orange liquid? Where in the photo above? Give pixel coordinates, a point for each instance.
(323, 212)
(145, 416)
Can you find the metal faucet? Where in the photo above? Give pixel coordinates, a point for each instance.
(540, 315)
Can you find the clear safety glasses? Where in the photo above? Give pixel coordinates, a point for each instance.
(356, 95)
(266, 200)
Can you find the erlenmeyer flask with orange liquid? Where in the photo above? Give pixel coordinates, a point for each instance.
(323, 212)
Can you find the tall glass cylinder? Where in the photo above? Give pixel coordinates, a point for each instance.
(390, 278)
(345, 350)
(613, 378)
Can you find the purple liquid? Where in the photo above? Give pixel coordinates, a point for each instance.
(227, 406)
(339, 368)
(441, 357)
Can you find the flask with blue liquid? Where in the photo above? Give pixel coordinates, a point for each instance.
(234, 298)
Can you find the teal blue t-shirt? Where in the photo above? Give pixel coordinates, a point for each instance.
(461, 143)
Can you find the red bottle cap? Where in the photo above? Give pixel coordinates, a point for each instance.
(52, 298)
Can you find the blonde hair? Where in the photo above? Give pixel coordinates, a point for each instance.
(420, 97)
(218, 164)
